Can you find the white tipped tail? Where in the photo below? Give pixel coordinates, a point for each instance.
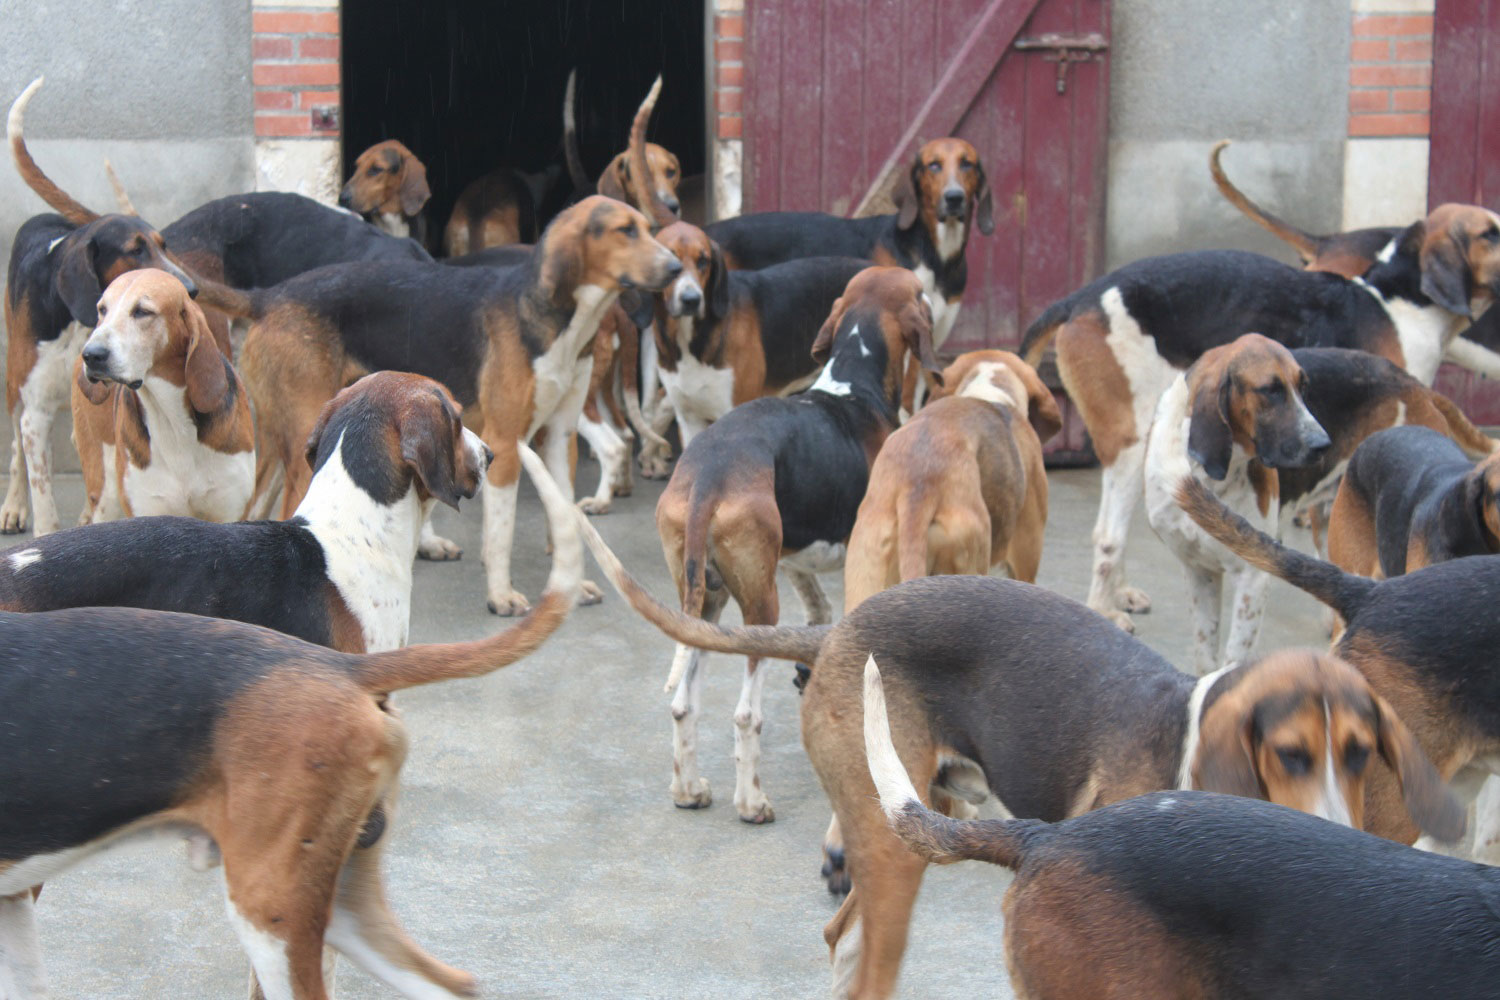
(891, 780)
(13, 124)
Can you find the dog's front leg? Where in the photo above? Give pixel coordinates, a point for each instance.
(500, 484)
(21, 973)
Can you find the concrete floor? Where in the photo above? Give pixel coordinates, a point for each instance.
(535, 844)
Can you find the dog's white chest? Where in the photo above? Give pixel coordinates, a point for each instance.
(185, 476)
(557, 371)
(368, 548)
(944, 313)
(695, 388)
(1167, 462)
(819, 557)
(50, 380)
(1423, 332)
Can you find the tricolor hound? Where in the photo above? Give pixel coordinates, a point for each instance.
(285, 754)
(1123, 338)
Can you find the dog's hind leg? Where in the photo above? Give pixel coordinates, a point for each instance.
(364, 930)
(1119, 493)
(21, 973)
(689, 789)
(810, 593)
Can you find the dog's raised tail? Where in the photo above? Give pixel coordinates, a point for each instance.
(938, 838)
(60, 201)
(1042, 329)
(640, 169)
(799, 643)
(1344, 592)
(579, 176)
(414, 665)
(1304, 243)
(1474, 442)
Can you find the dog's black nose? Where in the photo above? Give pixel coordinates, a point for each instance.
(673, 205)
(344, 198)
(489, 456)
(190, 285)
(95, 355)
(953, 199)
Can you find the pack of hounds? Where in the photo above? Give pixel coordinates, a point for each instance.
(1242, 830)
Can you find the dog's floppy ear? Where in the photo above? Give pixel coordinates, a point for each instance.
(315, 438)
(984, 211)
(78, 281)
(1041, 405)
(1428, 800)
(823, 344)
(613, 182)
(639, 307)
(916, 330)
(1209, 439)
(717, 291)
(1445, 269)
(428, 439)
(204, 370)
(95, 392)
(906, 197)
(559, 259)
(414, 189)
(1226, 754)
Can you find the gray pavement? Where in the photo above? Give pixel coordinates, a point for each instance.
(535, 844)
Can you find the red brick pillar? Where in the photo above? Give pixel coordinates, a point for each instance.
(295, 73)
(1390, 87)
(728, 95)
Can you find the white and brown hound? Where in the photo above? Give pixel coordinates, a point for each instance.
(389, 188)
(1193, 894)
(160, 417)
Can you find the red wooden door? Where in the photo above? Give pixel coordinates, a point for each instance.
(1464, 157)
(840, 92)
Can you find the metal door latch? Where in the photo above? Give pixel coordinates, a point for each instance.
(1066, 50)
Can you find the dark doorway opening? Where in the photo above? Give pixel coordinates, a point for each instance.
(469, 86)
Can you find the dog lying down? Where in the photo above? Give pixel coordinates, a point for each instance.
(1195, 894)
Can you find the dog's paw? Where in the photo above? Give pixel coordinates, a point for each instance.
(1121, 619)
(1133, 600)
(756, 813)
(623, 486)
(835, 872)
(12, 519)
(695, 795)
(508, 604)
(593, 505)
(438, 549)
(655, 467)
(591, 594)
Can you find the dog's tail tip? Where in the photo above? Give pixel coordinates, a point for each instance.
(892, 783)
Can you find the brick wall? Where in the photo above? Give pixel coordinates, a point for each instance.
(1390, 74)
(729, 73)
(295, 72)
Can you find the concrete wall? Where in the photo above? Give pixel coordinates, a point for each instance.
(1270, 74)
(161, 87)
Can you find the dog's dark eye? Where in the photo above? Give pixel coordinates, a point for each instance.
(1294, 760)
(934, 167)
(1273, 391)
(1491, 235)
(628, 230)
(101, 309)
(373, 171)
(671, 172)
(141, 312)
(1356, 755)
(703, 263)
(965, 165)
